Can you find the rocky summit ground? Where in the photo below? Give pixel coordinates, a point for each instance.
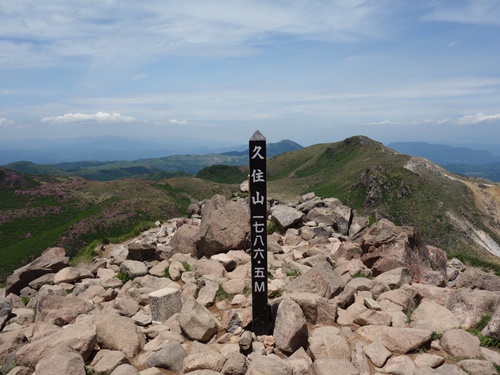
(346, 297)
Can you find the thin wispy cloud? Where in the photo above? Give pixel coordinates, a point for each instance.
(480, 12)
(99, 117)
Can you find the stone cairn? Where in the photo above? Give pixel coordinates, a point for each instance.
(345, 298)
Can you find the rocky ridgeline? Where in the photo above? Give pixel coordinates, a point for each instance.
(345, 298)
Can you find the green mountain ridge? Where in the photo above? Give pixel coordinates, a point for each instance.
(457, 214)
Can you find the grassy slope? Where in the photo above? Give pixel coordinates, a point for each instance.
(372, 179)
(39, 212)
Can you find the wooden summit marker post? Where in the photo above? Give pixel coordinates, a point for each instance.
(258, 232)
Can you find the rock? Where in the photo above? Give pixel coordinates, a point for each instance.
(5, 310)
(207, 294)
(475, 278)
(46, 279)
(61, 364)
(449, 369)
(236, 364)
(316, 309)
(105, 361)
(401, 365)
(183, 240)
(133, 269)
(358, 226)
(232, 320)
(478, 367)
(20, 370)
(349, 251)
(204, 361)
(359, 359)
(117, 332)
(10, 342)
(60, 310)
(428, 360)
(469, 305)
(261, 365)
(322, 280)
(491, 355)
(125, 369)
(67, 275)
(142, 252)
(459, 343)
(159, 269)
(171, 357)
(333, 214)
(377, 353)
(223, 229)
(396, 277)
(325, 342)
(164, 303)
(245, 341)
(386, 246)
(196, 321)
(342, 367)
(371, 317)
(74, 338)
(433, 316)
(209, 267)
(398, 340)
(52, 260)
(290, 331)
(285, 216)
(492, 329)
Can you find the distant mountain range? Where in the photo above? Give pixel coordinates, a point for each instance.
(162, 167)
(460, 160)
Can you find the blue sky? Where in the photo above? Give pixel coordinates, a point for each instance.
(308, 70)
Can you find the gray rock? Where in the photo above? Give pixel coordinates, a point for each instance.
(164, 303)
(125, 369)
(204, 361)
(10, 342)
(245, 341)
(125, 305)
(236, 364)
(398, 340)
(133, 268)
(5, 310)
(322, 280)
(142, 251)
(377, 353)
(61, 364)
(492, 329)
(401, 365)
(325, 342)
(396, 277)
(475, 278)
(67, 275)
(183, 240)
(51, 261)
(449, 369)
(477, 367)
(433, 316)
(325, 366)
(197, 322)
(271, 365)
(290, 331)
(285, 216)
(105, 361)
(76, 338)
(171, 357)
(459, 343)
(359, 359)
(224, 228)
(119, 333)
(60, 310)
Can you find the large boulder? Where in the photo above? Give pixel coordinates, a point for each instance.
(197, 322)
(117, 332)
(331, 212)
(475, 278)
(322, 280)
(51, 261)
(76, 338)
(326, 342)
(224, 227)
(460, 343)
(469, 305)
(183, 240)
(60, 310)
(290, 331)
(61, 364)
(433, 316)
(285, 216)
(387, 246)
(398, 340)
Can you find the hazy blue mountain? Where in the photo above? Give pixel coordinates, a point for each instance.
(272, 149)
(444, 154)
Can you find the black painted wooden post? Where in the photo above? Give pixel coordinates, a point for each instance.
(258, 231)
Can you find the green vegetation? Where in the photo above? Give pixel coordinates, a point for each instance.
(475, 262)
(167, 273)
(272, 227)
(293, 273)
(123, 277)
(25, 300)
(224, 174)
(221, 294)
(186, 265)
(485, 341)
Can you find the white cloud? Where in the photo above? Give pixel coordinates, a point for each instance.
(177, 122)
(99, 117)
(480, 12)
(478, 118)
(5, 122)
(385, 122)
